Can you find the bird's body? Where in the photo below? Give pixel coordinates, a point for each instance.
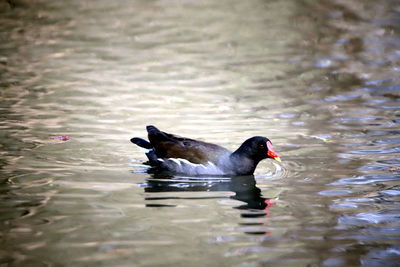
(194, 157)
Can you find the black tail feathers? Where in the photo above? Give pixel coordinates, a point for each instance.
(141, 142)
(152, 129)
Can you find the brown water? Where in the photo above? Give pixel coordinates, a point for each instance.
(321, 79)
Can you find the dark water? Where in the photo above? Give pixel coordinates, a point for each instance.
(321, 79)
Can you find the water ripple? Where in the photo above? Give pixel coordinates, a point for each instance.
(367, 179)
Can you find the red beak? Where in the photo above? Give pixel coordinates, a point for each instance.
(271, 153)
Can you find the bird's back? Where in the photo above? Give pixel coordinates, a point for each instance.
(173, 146)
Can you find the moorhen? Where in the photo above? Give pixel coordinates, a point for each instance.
(193, 157)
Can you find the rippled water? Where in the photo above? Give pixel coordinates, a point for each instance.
(321, 79)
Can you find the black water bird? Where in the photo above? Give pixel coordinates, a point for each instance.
(193, 157)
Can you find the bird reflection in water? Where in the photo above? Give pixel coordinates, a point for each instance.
(245, 189)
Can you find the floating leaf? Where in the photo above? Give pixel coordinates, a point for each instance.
(61, 137)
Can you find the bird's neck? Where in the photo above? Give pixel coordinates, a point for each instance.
(244, 163)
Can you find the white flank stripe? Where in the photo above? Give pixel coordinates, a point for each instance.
(177, 161)
(184, 166)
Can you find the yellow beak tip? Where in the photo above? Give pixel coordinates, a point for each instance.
(277, 159)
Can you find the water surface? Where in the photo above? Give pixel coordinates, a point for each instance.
(319, 78)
